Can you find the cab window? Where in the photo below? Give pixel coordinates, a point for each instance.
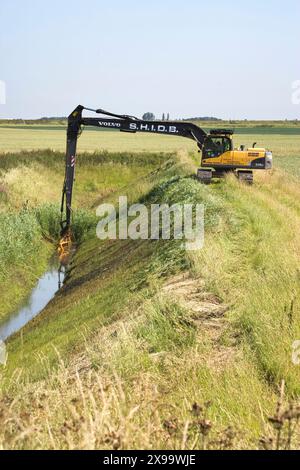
(215, 146)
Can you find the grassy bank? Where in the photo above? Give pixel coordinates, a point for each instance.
(23, 258)
(33, 178)
(29, 221)
(282, 138)
(28, 239)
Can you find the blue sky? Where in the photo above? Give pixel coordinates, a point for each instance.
(230, 59)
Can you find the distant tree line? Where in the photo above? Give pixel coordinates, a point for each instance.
(204, 118)
(146, 117)
(43, 120)
(166, 117)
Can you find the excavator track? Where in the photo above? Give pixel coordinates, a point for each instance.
(205, 176)
(245, 177)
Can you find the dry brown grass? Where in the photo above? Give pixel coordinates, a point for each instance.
(114, 396)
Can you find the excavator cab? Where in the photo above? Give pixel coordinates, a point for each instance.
(217, 143)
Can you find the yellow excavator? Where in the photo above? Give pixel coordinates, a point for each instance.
(219, 156)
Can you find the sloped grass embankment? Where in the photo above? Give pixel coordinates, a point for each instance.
(116, 361)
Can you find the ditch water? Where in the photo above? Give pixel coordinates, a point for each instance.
(44, 291)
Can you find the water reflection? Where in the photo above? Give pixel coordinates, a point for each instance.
(40, 296)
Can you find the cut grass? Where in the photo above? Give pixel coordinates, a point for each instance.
(252, 265)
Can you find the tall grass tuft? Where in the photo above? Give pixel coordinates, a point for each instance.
(20, 238)
(48, 217)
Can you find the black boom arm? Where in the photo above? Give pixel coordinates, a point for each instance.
(119, 122)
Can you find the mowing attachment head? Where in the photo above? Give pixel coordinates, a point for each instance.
(65, 247)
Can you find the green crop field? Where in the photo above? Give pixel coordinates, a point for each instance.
(284, 141)
(146, 340)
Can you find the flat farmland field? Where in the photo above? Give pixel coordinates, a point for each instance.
(284, 141)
